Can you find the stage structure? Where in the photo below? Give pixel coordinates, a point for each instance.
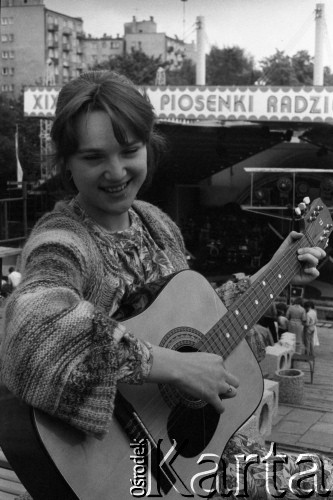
(272, 210)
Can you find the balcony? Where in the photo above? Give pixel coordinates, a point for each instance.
(51, 44)
(80, 35)
(52, 27)
(66, 47)
(66, 30)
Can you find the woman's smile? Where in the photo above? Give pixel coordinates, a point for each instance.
(120, 188)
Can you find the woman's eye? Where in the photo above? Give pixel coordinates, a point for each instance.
(131, 151)
(93, 157)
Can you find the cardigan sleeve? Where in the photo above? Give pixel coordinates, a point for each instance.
(60, 353)
(231, 291)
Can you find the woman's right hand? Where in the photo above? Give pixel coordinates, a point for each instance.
(200, 374)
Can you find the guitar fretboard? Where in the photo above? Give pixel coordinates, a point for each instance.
(230, 330)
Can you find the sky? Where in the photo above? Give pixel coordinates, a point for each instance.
(260, 27)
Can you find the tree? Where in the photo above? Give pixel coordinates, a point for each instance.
(185, 75)
(230, 66)
(12, 117)
(279, 70)
(302, 65)
(29, 143)
(7, 140)
(137, 66)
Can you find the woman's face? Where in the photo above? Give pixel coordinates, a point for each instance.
(108, 175)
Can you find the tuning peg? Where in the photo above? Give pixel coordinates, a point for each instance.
(306, 200)
(302, 206)
(298, 211)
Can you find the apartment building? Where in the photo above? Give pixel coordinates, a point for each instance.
(99, 50)
(39, 46)
(143, 36)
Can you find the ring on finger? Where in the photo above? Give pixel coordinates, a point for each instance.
(229, 389)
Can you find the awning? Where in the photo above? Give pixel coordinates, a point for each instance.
(196, 152)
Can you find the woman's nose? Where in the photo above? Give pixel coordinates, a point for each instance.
(114, 169)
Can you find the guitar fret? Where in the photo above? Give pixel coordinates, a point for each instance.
(227, 333)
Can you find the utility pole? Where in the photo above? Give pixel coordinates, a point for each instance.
(318, 70)
(201, 55)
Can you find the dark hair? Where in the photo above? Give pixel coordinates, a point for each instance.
(126, 106)
(299, 301)
(309, 304)
(281, 308)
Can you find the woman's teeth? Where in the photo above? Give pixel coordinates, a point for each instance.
(116, 189)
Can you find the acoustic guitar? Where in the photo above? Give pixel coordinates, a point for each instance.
(161, 442)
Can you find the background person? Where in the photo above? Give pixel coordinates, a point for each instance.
(310, 334)
(282, 320)
(14, 277)
(296, 316)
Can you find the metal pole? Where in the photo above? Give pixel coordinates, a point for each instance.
(318, 71)
(25, 212)
(201, 56)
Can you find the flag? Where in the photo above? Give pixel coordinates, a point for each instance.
(19, 171)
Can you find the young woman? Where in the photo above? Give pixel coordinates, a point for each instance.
(310, 334)
(296, 317)
(64, 349)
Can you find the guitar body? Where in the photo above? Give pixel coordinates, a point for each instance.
(186, 308)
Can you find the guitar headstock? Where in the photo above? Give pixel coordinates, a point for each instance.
(317, 221)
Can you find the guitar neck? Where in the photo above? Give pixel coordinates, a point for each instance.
(230, 330)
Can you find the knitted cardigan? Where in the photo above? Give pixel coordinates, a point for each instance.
(62, 352)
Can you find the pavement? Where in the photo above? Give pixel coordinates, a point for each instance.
(303, 430)
(309, 427)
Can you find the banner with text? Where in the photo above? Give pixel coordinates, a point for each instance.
(285, 104)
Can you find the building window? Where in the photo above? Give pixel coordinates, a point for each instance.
(11, 54)
(7, 38)
(5, 54)
(7, 87)
(5, 71)
(11, 71)
(4, 21)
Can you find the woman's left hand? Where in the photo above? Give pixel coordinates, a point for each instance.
(308, 257)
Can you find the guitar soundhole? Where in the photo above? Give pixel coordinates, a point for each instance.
(194, 428)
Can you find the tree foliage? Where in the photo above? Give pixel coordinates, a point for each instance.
(185, 75)
(7, 140)
(137, 66)
(230, 66)
(12, 117)
(282, 70)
